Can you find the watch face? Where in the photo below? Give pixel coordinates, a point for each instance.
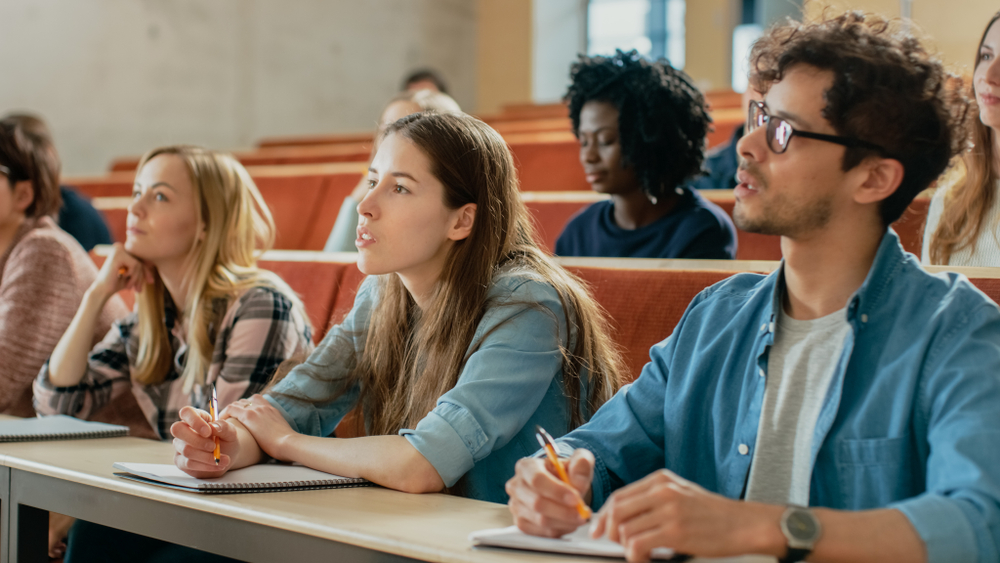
(802, 525)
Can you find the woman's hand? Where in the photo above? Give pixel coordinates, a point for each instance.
(121, 271)
(268, 427)
(194, 444)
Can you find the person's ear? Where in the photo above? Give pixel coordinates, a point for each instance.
(464, 218)
(883, 177)
(24, 195)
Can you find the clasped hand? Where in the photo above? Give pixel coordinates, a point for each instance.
(194, 435)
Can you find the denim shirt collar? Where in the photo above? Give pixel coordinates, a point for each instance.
(888, 262)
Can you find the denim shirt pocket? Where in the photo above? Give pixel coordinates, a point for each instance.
(874, 472)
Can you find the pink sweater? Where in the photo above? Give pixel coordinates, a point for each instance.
(43, 276)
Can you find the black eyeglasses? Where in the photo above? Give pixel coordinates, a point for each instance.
(780, 132)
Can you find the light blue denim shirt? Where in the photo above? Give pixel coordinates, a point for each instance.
(911, 419)
(511, 381)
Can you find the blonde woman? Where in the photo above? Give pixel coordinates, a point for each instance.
(412, 101)
(206, 314)
(963, 222)
(464, 336)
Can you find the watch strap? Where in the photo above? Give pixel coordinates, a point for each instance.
(794, 555)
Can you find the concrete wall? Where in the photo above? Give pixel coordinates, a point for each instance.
(118, 77)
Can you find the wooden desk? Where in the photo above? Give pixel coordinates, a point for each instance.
(361, 524)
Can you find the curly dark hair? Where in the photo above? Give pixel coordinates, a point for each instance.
(887, 90)
(662, 118)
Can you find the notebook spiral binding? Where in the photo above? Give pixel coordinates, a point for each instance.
(115, 433)
(284, 486)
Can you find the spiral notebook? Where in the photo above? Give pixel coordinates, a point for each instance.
(575, 543)
(263, 478)
(57, 427)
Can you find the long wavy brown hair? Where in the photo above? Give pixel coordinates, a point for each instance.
(412, 356)
(967, 203)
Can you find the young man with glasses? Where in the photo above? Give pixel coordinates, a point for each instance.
(849, 381)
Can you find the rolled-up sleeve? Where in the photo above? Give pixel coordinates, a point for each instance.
(317, 394)
(958, 517)
(108, 375)
(516, 354)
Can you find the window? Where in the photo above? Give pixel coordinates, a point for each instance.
(654, 28)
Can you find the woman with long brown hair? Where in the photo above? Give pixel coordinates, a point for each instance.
(464, 336)
(963, 222)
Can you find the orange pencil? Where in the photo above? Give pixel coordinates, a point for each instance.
(214, 405)
(550, 449)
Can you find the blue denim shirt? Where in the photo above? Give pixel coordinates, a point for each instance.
(911, 420)
(511, 381)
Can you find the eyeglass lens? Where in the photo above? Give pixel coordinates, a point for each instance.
(779, 132)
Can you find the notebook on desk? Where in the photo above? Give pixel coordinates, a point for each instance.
(576, 543)
(57, 427)
(263, 478)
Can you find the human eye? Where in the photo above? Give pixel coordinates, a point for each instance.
(401, 189)
(160, 196)
(985, 56)
(136, 193)
(372, 183)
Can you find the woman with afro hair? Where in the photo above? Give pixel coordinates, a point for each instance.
(642, 128)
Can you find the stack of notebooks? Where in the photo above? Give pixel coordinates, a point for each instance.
(264, 478)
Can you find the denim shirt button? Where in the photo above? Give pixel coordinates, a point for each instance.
(743, 449)
(763, 327)
(864, 318)
(760, 372)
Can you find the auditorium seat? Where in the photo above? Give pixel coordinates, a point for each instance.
(315, 277)
(644, 305)
(306, 140)
(314, 154)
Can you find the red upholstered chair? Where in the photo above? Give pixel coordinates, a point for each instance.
(115, 212)
(989, 286)
(346, 293)
(116, 184)
(548, 161)
(335, 189)
(642, 317)
(316, 283)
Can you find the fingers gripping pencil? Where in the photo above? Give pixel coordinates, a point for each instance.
(550, 449)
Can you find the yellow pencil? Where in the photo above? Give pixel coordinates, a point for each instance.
(214, 406)
(550, 449)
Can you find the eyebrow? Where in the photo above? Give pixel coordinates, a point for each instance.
(598, 130)
(985, 46)
(395, 174)
(156, 185)
(794, 119)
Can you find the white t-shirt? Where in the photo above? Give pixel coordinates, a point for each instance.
(799, 370)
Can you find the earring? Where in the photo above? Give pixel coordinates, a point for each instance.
(652, 198)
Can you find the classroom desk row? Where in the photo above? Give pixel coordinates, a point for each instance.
(356, 524)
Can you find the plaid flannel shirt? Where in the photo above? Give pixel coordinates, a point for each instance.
(258, 331)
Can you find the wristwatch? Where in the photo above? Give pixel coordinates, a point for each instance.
(802, 530)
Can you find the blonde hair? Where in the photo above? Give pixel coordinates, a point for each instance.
(221, 265)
